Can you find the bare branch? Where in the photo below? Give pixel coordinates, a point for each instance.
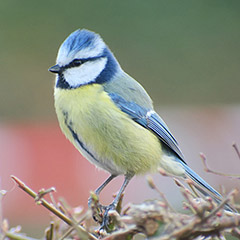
(236, 149)
(207, 169)
(55, 211)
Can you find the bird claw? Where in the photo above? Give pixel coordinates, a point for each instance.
(106, 221)
(97, 209)
(100, 213)
(92, 202)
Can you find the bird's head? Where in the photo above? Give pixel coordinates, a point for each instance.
(84, 58)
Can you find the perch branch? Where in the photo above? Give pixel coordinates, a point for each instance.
(55, 211)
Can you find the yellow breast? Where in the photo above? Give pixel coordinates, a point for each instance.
(115, 142)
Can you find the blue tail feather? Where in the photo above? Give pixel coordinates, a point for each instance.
(205, 188)
(196, 178)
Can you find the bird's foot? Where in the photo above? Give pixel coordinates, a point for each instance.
(107, 223)
(96, 207)
(100, 213)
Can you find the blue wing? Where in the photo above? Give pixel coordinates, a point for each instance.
(150, 120)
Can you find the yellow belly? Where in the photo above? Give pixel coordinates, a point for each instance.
(118, 143)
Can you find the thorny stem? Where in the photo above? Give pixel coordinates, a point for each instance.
(51, 208)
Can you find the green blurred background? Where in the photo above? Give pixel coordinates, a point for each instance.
(185, 53)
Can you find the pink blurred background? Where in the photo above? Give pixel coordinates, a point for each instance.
(42, 157)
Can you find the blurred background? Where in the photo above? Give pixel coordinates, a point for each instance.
(185, 53)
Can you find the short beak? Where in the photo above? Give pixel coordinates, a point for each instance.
(55, 69)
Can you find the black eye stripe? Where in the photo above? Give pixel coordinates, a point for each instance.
(78, 62)
(75, 63)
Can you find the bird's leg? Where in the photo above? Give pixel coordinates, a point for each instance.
(114, 204)
(96, 207)
(107, 181)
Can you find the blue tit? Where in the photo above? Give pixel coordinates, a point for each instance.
(109, 117)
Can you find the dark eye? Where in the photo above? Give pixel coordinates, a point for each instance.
(76, 63)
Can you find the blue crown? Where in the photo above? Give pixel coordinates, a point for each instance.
(80, 39)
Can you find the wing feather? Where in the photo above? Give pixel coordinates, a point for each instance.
(148, 119)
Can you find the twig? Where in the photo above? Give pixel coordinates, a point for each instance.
(220, 206)
(68, 232)
(55, 211)
(236, 149)
(154, 187)
(236, 232)
(2, 193)
(207, 169)
(49, 232)
(122, 234)
(42, 193)
(47, 205)
(15, 236)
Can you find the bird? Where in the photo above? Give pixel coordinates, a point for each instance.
(109, 117)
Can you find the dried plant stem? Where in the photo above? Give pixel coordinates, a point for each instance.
(153, 186)
(236, 149)
(207, 169)
(15, 236)
(55, 211)
(50, 232)
(220, 206)
(43, 202)
(72, 228)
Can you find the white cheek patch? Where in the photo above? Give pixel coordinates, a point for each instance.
(85, 73)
